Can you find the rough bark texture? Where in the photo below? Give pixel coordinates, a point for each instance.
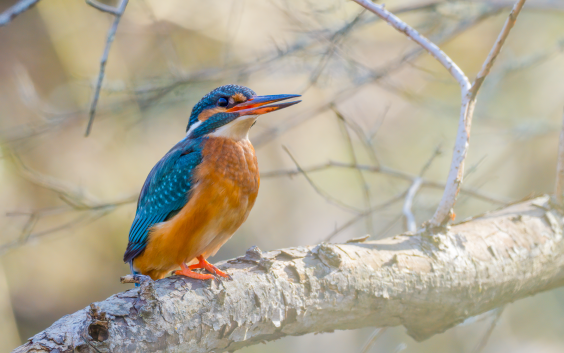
(425, 282)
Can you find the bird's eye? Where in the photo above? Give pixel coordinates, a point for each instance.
(222, 102)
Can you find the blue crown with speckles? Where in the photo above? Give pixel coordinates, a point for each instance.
(211, 98)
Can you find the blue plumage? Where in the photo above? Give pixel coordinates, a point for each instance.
(211, 98)
(165, 192)
(168, 231)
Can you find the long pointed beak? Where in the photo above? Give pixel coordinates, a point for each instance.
(257, 105)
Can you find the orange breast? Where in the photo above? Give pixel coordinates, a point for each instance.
(227, 183)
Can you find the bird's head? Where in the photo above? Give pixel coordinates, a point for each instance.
(231, 110)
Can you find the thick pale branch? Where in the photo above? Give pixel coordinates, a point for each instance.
(425, 282)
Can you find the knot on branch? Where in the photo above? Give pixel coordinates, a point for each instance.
(328, 254)
(100, 324)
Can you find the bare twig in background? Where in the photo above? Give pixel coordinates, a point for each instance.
(362, 180)
(429, 46)
(372, 77)
(103, 61)
(496, 49)
(409, 217)
(366, 213)
(559, 184)
(20, 7)
(496, 315)
(364, 138)
(78, 201)
(411, 225)
(468, 94)
(103, 7)
(152, 91)
(377, 333)
(437, 152)
(320, 191)
(387, 171)
(404, 280)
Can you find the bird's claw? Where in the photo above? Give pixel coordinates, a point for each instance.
(223, 278)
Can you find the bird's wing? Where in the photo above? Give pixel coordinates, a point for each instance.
(165, 192)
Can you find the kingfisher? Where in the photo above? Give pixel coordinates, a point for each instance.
(203, 189)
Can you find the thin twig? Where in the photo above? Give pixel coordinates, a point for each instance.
(438, 151)
(383, 170)
(388, 227)
(409, 217)
(320, 191)
(103, 61)
(495, 319)
(496, 49)
(559, 184)
(103, 7)
(410, 223)
(377, 333)
(379, 123)
(362, 179)
(366, 213)
(360, 133)
(17, 9)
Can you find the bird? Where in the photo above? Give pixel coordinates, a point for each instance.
(203, 189)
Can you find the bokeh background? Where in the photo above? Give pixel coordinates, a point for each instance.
(369, 98)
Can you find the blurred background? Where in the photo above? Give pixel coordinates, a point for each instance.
(371, 99)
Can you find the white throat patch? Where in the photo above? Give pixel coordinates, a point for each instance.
(237, 129)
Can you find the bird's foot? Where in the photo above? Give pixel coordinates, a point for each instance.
(209, 267)
(189, 273)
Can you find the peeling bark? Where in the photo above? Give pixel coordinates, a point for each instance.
(425, 282)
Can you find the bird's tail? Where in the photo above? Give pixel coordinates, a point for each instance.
(133, 272)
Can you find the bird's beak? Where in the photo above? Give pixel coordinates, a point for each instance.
(257, 105)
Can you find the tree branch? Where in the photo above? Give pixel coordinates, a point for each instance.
(103, 7)
(117, 12)
(17, 9)
(427, 283)
(468, 93)
(410, 223)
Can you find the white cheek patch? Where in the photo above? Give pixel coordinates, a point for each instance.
(238, 129)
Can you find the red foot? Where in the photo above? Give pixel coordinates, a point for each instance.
(209, 267)
(189, 273)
